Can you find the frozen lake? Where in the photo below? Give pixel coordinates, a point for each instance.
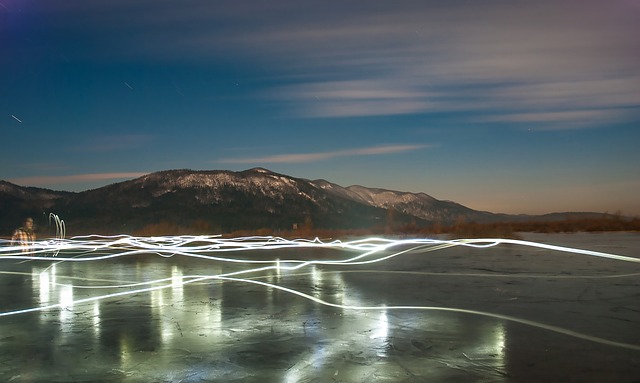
(507, 313)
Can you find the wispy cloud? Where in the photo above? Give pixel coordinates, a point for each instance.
(59, 180)
(415, 60)
(352, 98)
(321, 156)
(419, 56)
(562, 120)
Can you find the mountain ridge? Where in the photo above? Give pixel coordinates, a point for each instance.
(225, 200)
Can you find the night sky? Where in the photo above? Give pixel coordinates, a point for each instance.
(505, 106)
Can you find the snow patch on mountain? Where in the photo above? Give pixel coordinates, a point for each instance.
(209, 184)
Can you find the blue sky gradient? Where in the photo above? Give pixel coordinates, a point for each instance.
(516, 107)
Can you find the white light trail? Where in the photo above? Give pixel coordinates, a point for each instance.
(82, 247)
(215, 248)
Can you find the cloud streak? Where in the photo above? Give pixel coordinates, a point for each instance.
(413, 57)
(322, 156)
(422, 59)
(562, 120)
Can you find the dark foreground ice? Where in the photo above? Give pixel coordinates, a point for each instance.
(538, 315)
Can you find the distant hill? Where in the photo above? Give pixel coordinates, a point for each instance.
(225, 201)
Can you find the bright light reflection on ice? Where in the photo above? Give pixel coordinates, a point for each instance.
(229, 250)
(44, 286)
(96, 319)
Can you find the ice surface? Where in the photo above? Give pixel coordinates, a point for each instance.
(213, 331)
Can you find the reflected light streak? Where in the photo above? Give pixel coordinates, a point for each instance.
(382, 330)
(316, 280)
(381, 334)
(371, 250)
(66, 307)
(96, 319)
(177, 283)
(44, 286)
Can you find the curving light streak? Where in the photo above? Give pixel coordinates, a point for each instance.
(370, 250)
(60, 228)
(509, 318)
(200, 246)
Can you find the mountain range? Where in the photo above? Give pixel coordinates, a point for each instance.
(224, 201)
